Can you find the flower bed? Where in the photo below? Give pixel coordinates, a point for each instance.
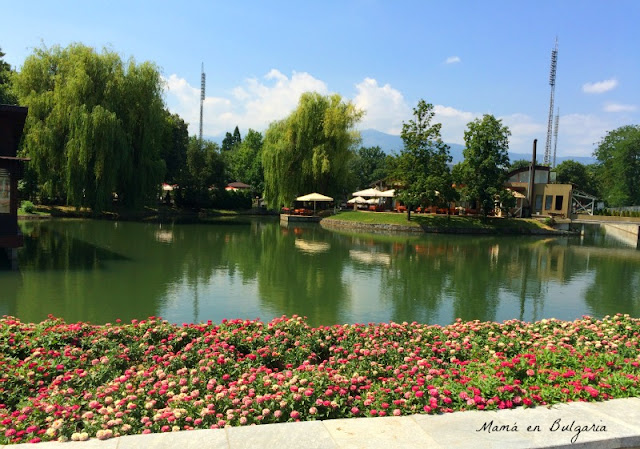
(74, 381)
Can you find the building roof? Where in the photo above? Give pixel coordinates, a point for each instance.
(526, 169)
(239, 185)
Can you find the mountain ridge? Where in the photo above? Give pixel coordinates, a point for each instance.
(390, 143)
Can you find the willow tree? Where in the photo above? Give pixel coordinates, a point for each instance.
(309, 151)
(95, 126)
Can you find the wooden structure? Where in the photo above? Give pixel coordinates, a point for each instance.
(12, 120)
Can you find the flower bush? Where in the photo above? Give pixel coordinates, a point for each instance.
(76, 381)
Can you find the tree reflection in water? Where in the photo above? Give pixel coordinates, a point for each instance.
(98, 271)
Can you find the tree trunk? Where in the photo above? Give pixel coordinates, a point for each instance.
(408, 214)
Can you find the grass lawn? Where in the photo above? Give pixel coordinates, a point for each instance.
(441, 221)
(22, 213)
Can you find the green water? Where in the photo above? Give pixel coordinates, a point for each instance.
(99, 271)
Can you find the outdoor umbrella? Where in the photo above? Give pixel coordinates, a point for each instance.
(357, 200)
(314, 197)
(368, 192)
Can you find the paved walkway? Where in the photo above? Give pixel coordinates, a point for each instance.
(603, 425)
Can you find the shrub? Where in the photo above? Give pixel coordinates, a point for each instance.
(28, 207)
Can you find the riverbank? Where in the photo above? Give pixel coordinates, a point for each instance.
(429, 223)
(76, 381)
(151, 214)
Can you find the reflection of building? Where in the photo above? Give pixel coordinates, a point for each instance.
(311, 247)
(12, 120)
(546, 198)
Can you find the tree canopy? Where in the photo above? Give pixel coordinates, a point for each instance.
(618, 154)
(174, 147)
(369, 165)
(582, 176)
(519, 163)
(245, 161)
(95, 125)
(422, 164)
(6, 96)
(486, 159)
(310, 150)
(231, 141)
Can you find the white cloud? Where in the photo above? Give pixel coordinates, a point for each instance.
(385, 107)
(523, 130)
(259, 101)
(452, 60)
(600, 86)
(580, 132)
(255, 104)
(617, 107)
(454, 122)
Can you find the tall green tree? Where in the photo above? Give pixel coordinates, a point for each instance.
(231, 141)
(486, 160)
(95, 125)
(422, 164)
(6, 95)
(310, 150)
(174, 147)
(618, 155)
(368, 165)
(227, 142)
(237, 138)
(244, 162)
(573, 172)
(205, 169)
(520, 163)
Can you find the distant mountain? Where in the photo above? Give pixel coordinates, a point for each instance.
(387, 142)
(559, 159)
(390, 143)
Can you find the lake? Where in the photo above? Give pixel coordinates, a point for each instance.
(99, 271)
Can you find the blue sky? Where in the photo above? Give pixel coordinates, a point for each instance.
(467, 58)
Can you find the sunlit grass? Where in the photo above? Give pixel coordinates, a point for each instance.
(441, 221)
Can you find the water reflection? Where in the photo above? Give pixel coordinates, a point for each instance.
(100, 271)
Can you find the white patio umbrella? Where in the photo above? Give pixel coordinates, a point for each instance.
(314, 197)
(357, 200)
(368, 192)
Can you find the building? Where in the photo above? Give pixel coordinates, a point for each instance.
(547, 198)
(235, 186)
(12, 120)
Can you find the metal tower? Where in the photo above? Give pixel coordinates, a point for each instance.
(202, 83)
(552, 83)
(555, 137)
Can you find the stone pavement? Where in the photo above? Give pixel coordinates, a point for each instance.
(607, 425)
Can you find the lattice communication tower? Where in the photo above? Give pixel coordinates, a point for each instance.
(555, 137)
(552, 82)
(202, 83)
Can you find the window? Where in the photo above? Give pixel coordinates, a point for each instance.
(538, 203)
(559, 199)
(548, 201)
(5, 192)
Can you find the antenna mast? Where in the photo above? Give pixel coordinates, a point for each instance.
(555, 137)
(202, 83)
(552, 83)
